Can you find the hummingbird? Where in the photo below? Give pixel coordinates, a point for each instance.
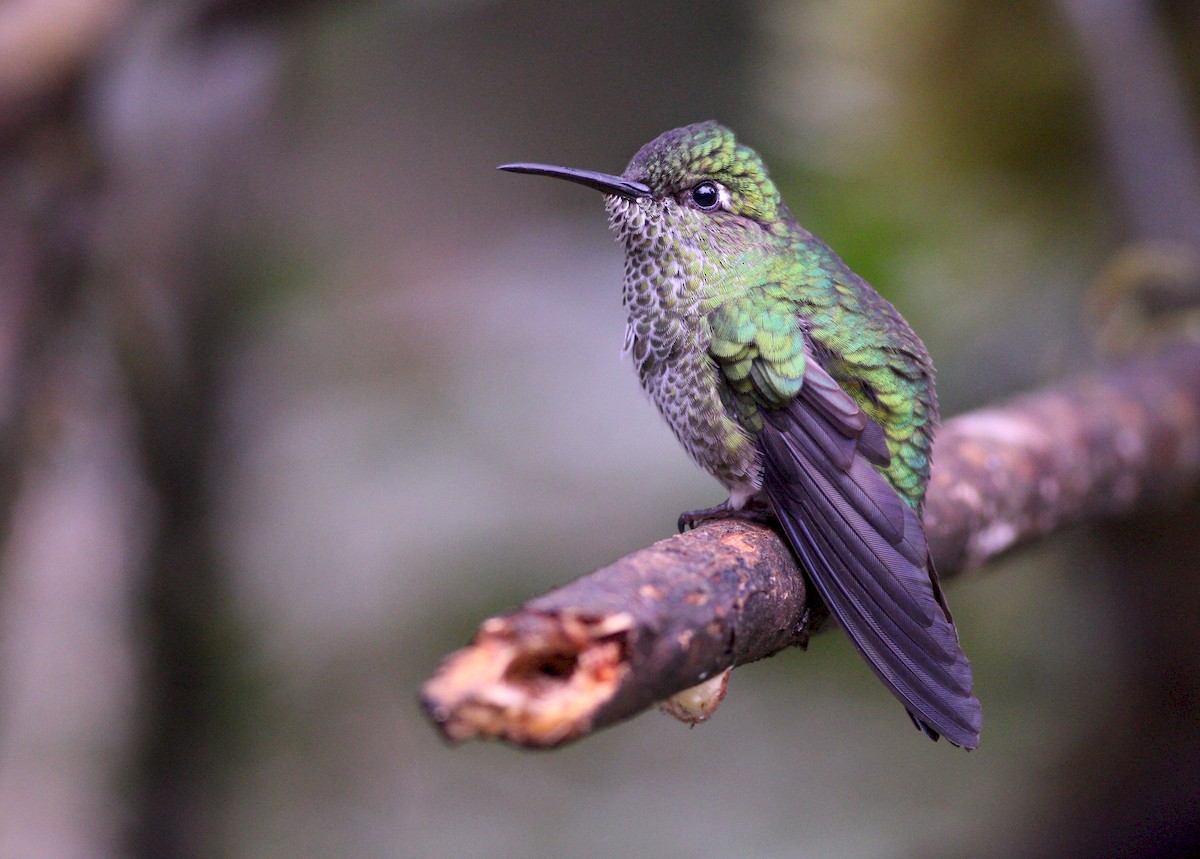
(795, 384)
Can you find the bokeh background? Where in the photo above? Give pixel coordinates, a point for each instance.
(295, 389)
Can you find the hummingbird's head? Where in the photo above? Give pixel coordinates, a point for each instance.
(695, 186)
(702, 167)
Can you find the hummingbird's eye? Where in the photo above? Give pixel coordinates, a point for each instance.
(706, 196)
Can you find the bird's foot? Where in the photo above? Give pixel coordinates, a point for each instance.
(755, 510)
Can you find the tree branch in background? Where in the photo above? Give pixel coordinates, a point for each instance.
(1144, 115)
(685, 610)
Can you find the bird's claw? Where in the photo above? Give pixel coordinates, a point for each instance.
(755, 511)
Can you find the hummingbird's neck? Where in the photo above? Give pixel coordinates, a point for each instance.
(680, 264)
(664, 285)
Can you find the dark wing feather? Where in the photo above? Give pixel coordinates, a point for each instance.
(865, 550)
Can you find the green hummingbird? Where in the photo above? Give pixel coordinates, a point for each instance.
(800, 388)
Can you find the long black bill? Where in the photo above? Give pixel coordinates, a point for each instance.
(605, 182)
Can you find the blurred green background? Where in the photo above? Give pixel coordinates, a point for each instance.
(298, 389)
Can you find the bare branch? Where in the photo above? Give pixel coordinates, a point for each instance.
(663, 619)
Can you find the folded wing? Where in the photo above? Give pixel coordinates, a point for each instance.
(865, 551)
